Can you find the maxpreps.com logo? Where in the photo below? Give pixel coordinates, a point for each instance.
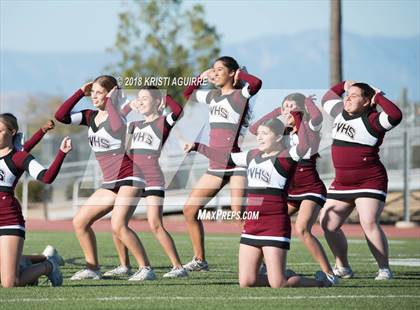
(209, 215)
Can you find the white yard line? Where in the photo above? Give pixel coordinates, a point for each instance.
(409, 262)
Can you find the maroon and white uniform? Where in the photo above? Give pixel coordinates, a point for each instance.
(355, 148)
(12, 166)
(226, 116)
(306, 183)
(268, 179)
(107, 141)
(146, 142)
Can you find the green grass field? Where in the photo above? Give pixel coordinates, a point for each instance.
(217, 288)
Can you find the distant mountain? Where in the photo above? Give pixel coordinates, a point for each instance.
(51, 73)
(284, 61)
(302, 61)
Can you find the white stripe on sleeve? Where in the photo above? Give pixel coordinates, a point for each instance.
(293, 153)
(201, 95)
(239, 158)
(35, 168)
(76, 118)
(330, 104)
(245, 92)
(315, 128)
(170, 119)
(384, 121)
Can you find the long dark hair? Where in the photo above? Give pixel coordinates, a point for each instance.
(367, 91)
(299, 98)
(11, 123)
(275, 126)
(155, 93)
(232, 65)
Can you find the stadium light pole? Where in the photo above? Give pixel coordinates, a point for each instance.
(336, 71)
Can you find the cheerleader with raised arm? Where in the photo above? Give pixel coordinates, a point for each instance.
(361, 180)
(120, 190)
(14, 161)
(146, 139)
(307, 192)
(228, 113)
(269, 171)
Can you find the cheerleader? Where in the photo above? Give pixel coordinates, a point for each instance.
(269, 169)
(360, 178)
(306, 193)
(146, 139)
(120, 190)
(14, 161)
(228, 113)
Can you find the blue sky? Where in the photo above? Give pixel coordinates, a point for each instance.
(88, 26)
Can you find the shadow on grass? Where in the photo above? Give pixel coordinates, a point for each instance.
(183, 284)
(370, 276)
(396, 285)
(80, 262)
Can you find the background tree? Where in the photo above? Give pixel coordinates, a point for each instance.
(38, 109)
(163, 39)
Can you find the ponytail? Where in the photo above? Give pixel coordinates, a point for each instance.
(18, 139)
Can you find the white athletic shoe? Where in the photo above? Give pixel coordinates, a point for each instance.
(384, 274)
(196, 265)
(51, 251)
(85, 274)
(321, 276)
(176, 272)
(119, 271)
(55, 276)
(143, 274)
(343, 272)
